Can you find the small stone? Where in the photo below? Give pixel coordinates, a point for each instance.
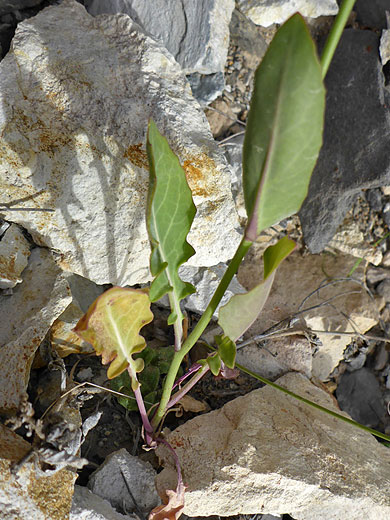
(206, 87)
(267, 452)
(376, 274)
(386, 259)
(374, 199)
(386, 190)
(268, 12)
(14, 254)
(381, 358)
(88, 506)
(220, 117)
(108, 482)
(359, 394)
(195, 33)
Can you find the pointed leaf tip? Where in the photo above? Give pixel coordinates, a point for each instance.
(170, 213)
(284, 128)
(112, 325)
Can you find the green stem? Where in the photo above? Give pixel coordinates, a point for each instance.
(198, 330)
(335, 34)
(310, 403)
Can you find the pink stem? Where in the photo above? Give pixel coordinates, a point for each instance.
(187, 387)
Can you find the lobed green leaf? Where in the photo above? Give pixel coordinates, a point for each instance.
(170, 214)
(284, 128)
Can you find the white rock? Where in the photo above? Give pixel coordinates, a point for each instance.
(29, 495)
(384, 47)
(108, 482)
(88, 506)
(75, 105)
(26, 318)
(267, 452)
(195, 33)
(14, 253)
(350, 239)
(278, 356)
(268, 12)
(298, 278)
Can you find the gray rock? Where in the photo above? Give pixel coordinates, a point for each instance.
(108, 482)
(373, 13)
(375, 199)
(88, 506)
(7, 6)
(267, 452)
(268, 12)
(74, 145)
(195, 33)
(359, 394)
(356, 138)
(383, 289)
(206, 88)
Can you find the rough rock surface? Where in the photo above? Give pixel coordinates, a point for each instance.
(356, 141)
(268, 12)
(195, 33)
(108, 482)
(14, 253)
(384, 48)
(297, 279)
(88, 506)
(266, 452)
(29, 495)
(73, 144)
(373, 13)
(26, 318)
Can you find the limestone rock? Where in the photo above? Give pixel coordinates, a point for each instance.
(300, 284)
(350, 240)
(268, 12)
(384, 48)
(26, 318)
(14, 253)
(88, 506)
(27, 494)
(74, 145)
(357, 158)
(195, 33)
(267, 452)
(108, 482)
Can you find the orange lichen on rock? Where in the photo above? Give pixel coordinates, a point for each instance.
(200, 172)
(137, 156)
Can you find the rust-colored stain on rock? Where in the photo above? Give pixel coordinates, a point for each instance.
(200, 172)
(137, 156)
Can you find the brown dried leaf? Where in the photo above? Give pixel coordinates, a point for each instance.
(173, 509)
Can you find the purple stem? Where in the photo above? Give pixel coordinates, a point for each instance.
(187, 387)
(144, 416)
(195, 367)
(177, 462)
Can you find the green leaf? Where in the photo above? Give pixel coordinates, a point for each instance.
(227, 350)
(284, 128)
(170, 213)
(214, 362)
(112, 325)
(242, 309)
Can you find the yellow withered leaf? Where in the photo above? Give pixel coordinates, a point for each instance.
(112, 325)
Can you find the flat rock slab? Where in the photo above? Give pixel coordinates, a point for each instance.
(76, 94)
(355, 154)
(267, 453)
(27, 316)
(195, 33)
(319, 282)
(268, 12)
